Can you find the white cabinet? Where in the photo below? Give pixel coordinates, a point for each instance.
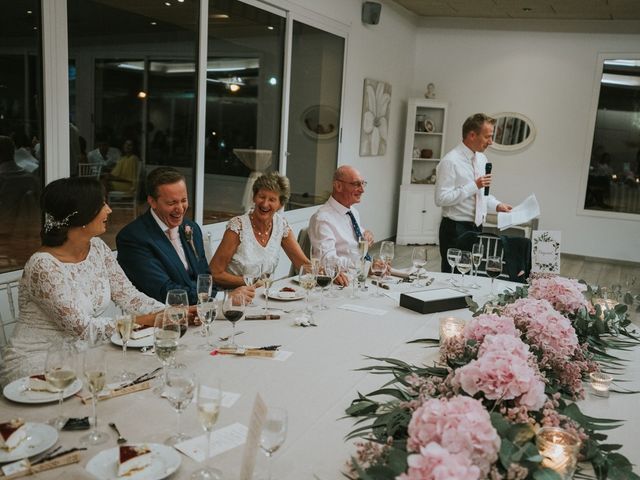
(419, 218)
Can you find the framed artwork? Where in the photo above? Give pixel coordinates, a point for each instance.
(545, 251)
(375, 118)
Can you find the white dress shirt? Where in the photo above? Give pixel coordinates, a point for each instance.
(173, 234)
(456, 184)
(331, 230)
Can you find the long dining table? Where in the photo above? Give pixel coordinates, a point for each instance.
(315, 384)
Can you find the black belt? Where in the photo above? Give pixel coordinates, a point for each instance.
(466, 224)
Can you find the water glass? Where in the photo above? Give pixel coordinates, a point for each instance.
(204, 284)
(464, 264)
(307, 277)
(94, 369)
(378, 267)
(166, 335)
(207, 311)
(387, 252)
(273, 434)
(208, 401)
(453, 255)
(60, 371)
(179, 391)
(419, 260)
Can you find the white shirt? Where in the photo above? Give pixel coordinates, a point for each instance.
(95, 157)
(456, 184)
(177, 244)
(331, 230)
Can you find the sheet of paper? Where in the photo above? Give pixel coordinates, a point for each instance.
(258, 417)
(228, 398)
(358, 308)
(527, 210)
(223, 439)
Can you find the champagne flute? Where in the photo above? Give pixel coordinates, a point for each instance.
(208, 400)
(464, 264)
(315, 255)
(207, 311)
(477, 251)
(251, 274)
(179, 391)
(387, 252)
(233, 309)
(60, 371)
(452, 258)
(273, 434)
(203, 287)
(419, 260)
(124, 325)
(378, 267)
(307, 276)
(94, 369)
(266, 276)
(166, 333)
(363, 248)
(494, 269)
(325, 275)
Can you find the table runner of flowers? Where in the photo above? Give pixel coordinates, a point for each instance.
(518, 365)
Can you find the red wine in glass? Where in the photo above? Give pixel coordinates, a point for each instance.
(323, 280)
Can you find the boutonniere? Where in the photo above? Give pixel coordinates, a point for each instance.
(188, 235)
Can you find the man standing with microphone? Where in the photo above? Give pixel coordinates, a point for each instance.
(462, 185)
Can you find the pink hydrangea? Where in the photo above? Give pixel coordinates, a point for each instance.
(502, 372)
(564, 294)
(489, 324)
(459, 424)
(437, 463)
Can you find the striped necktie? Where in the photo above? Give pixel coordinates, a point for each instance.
(357, 231)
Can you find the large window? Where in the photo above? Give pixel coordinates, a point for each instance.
(21, 174)
(132, 87)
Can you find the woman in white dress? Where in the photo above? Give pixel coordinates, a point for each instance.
(256, 237)
(70, 281)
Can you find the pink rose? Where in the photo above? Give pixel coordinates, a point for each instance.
(437, 463)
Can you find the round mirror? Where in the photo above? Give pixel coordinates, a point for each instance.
(512, 131)
(320, 122)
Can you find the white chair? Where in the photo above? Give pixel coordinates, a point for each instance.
(126, 200)
(492, 248)
(89, 170)
(8, 307)
(305, 244)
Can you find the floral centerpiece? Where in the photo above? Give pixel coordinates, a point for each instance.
(517, 366)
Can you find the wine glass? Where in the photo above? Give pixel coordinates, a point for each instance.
(266, 276)
(494, 269)
(334, 264)
(124, 325)
(179, 391)
(419, 260)
(166, 333)
(464, 264)
(325, 275)
(208, 400)
(378, 267)
(60, 371)
(179, 299)
(203, 287)
(387, 252)
(233, 309)
(207, 310)
(307, 276)
(94, 369)
(315, 255)
(453, 254)
(477, 251)
(363, 248)
(273, 434)
(352, 262)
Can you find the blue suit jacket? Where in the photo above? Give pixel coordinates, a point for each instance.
(152, 264)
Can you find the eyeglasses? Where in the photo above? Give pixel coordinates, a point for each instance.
(359, 184)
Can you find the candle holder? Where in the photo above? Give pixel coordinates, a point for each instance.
(450, 327)
(559, 449)
(600, 383)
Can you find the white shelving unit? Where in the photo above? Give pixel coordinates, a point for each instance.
(418, 217)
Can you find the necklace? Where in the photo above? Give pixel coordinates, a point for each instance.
(262, 235)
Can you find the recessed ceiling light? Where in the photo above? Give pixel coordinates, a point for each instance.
(142, 94)
(180, 1)
(29, 12)
(273, 81)
(35, 28)
(527, 9)
(219, 16)
(168, 4)
(270, 27)
(234, 87)
(153, 23)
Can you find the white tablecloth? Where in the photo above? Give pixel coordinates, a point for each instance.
(316, 384)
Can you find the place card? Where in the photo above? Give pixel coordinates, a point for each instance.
(24, 468)
(545, 251)
(258, 417)
(106, 394)
(359, 309)
(222, 440)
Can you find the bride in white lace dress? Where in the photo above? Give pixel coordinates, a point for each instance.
(256, 237)
(70, 281)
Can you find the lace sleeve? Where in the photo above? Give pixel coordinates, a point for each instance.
(235, 225)
(286, 229)
(123, 293)
(53, 290)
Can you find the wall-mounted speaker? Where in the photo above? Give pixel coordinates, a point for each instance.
(371, 13)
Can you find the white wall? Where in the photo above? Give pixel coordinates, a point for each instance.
(549, 77)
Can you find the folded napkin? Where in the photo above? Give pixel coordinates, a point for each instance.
(222, 440)
(359, 309)
(400, 272)
(141, 333)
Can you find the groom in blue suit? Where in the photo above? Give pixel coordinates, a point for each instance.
(162, 250)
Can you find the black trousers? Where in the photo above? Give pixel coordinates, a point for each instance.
(448, 235)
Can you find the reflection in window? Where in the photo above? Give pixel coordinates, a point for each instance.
(314, 113)
(21, 131)
(132, 86)
(243, 110)
(614, 171)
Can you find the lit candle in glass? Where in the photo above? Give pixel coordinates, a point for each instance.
(600, 383)
(450, 327)
(559, 449)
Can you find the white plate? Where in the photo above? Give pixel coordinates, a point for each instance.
(139, 343)
(40, 437)
(165, 461)
(287, 296)
(16, 392)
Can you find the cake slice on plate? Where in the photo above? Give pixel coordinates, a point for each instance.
(12, 434)
(133, 458)
(38, 383)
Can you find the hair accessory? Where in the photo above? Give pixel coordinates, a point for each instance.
(50, 222)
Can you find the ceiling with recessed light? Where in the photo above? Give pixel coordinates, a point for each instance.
(527, 9)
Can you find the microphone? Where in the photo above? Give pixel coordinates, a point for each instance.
(487, 171)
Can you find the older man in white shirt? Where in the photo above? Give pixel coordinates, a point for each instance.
(460, 184)
(335, 228)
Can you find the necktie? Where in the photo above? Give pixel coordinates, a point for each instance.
(481, 206)
(174, 237)
(357, 231)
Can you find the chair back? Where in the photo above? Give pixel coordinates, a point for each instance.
(305, 244)
(492, 247)
(89, 170)
(8, 308)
